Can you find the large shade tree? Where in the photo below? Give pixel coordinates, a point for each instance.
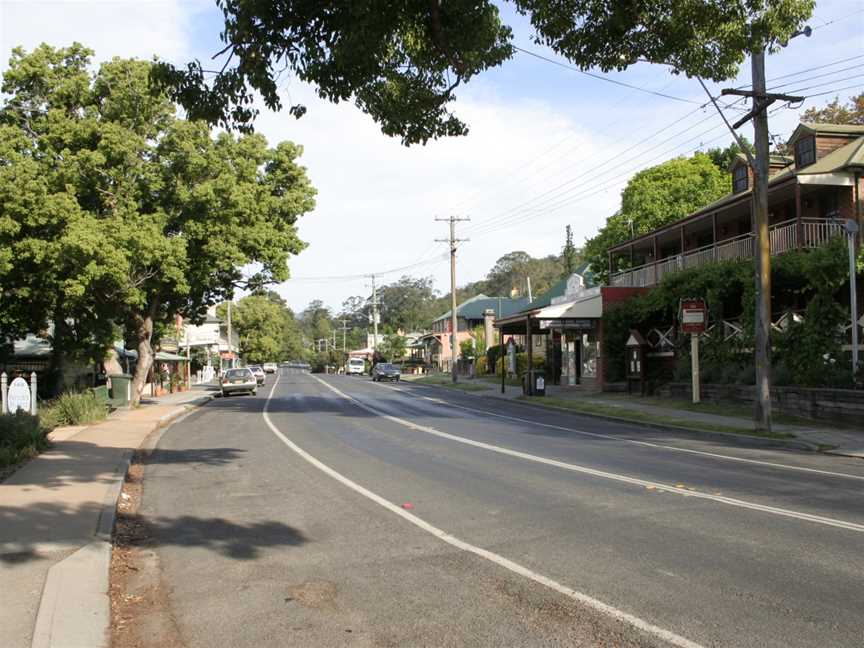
(401, 63)
(655, 197)
(122, 214)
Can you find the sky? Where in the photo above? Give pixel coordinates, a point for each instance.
(547, 146)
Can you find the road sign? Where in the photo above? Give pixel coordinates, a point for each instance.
(19, 396)
(694, 316)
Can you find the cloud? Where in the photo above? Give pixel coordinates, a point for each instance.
(126, 28)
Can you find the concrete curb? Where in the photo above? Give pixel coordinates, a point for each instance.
(75, 607)
(790, 444)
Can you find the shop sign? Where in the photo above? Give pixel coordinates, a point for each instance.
(694, 316)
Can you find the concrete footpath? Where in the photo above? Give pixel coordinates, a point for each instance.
(56, 516)
(820, 436)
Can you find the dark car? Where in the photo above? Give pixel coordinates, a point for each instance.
(386, 371)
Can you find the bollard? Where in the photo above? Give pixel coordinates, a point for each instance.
(33, 407)
(3, 390)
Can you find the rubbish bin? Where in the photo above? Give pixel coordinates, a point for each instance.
(538, 382)
(121, 390)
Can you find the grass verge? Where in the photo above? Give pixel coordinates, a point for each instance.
(444, 380)
(641, 417)
(720, 409)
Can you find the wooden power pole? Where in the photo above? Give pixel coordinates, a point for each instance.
(759, 164)
(454, 323)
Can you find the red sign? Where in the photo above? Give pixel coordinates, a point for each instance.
(694, 316)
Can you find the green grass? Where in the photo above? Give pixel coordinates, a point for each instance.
(73, 408)
(720, 409)
(641, 417)
(444, 380)
(496, 380)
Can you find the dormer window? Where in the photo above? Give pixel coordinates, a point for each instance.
(740, 179)
(805, 151)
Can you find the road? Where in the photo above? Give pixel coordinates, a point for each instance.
(331, 511)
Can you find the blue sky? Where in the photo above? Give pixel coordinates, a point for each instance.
(548, 146)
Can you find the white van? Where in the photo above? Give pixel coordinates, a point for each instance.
(355, 367)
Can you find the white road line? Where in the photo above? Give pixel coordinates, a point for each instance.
(649, 444)
(501, 561)
(669, 488)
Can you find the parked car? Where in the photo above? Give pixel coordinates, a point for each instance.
(239, 380)
(356, 367)
(258, 373)
(385, 371)
(270, 367)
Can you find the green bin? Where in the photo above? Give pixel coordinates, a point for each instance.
(121, 390)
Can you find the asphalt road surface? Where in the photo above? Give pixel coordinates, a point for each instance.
(331, 511)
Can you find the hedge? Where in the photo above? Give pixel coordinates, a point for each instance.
(806, 353)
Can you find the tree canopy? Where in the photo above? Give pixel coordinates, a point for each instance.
(852, 112)
(654, 197)
(118, 214)
(401, 63)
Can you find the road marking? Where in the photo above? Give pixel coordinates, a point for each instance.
(649, 444)
(669, 488)
(501, 561)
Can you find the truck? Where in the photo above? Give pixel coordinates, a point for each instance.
(355, 367)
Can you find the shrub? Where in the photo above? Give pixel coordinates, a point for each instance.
(481, 365)
(22, 437)
(74, 408)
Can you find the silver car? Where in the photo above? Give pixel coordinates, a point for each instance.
(239, 380)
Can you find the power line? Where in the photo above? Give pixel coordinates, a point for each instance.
(857, 86)
(819, 85)
(366, 275)
(817, 76)
(550, 195)
(600, 77)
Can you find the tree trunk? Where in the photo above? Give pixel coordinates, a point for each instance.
(112, 363)
(57, 371)
(143, 334)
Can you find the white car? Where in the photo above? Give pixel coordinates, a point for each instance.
(355, 367)
(239, 380)
(270, 367)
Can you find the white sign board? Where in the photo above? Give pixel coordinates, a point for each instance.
(693, 316)
(19, 396)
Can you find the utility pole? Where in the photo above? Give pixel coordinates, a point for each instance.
(759, 165)
(453, 319)
(230, 347)
(344, 347)
(374, 317)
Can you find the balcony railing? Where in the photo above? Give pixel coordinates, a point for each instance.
(782, 236)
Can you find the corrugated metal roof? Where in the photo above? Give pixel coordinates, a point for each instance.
(473, 308)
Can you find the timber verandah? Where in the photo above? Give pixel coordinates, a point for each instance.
(810, 195)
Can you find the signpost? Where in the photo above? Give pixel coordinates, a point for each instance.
(694, 319)
(18, 397)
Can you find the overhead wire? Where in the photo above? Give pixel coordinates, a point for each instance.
(600, 77)
(556, 192)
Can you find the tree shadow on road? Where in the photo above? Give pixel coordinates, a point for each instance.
(227, 538)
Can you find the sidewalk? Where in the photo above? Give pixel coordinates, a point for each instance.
(56, 515)
(818, 436)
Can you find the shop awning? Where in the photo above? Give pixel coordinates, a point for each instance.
(164, 356)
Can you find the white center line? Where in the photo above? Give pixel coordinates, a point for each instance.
(501, 561)
(669, 488)
(610, 437)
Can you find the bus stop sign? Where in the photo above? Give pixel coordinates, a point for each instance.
(694, 316)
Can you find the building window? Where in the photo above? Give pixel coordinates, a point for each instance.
(740, 179)
(805, 151)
